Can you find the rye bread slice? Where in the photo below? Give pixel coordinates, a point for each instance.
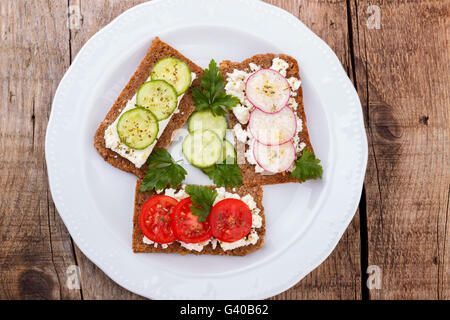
(249, 176)
(140, 247)
(157, 51)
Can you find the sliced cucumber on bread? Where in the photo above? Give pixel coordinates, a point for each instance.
(229, 155)
(206, 120)
(159, 97)
(156, 100)
(174, 71)
(137, 128)
(202, 148)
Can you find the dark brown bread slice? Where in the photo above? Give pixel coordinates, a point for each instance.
(157, 51)
(249, 177)
(139, 246)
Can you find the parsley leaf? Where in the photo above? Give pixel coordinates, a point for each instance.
(212, 96)
(159, 156)
(212, 80)
(307, 167)
(227, 174)
(223, 100)
(162, 171)
(201, 99)
(202, 200)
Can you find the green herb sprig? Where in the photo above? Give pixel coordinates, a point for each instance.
(212, 97)
(202, 200)
(162, 171)
(307, 167)
(227, 174)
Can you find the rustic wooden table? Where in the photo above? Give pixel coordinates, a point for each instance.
(395, 52)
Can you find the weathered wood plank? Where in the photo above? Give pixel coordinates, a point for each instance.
(403, 76)
(339, 277)
(95, 15)
(35, 249)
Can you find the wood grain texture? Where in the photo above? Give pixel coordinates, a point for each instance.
(403, 75)
(35, 249)
(339, 276)
(401, 72)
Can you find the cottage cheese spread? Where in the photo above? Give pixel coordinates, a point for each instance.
(155, 244)
(137, 157)
(236, 86)
(222, 194)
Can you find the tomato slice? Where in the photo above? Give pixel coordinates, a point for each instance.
(185, 225)
(231, 220)
(154, 218)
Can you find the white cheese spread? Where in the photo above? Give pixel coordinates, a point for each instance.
(195, 246)
(241, 134)
(280, 65)
(242, 113)
(252, 238)
(155, 244)
(137, 157)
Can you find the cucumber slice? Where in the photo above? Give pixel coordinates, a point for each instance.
(174, 71)
(228, 152)
(206, 120)
(202, 148)
(159, 97)
(137, 128)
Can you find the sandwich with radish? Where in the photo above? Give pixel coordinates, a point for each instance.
(269, 122)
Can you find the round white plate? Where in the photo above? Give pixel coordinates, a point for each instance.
(95, 200)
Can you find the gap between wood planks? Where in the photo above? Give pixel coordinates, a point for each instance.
(75, 255)
(363, 233)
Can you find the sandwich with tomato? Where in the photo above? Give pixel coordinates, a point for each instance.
(191, 219)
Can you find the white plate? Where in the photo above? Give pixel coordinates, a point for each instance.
(95, 200)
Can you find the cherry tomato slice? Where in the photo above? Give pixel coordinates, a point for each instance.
(185, 225)
(154, 218)
(231, 220)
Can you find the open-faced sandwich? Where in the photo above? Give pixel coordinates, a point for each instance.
(155, 103)
(269, 122)
(206, 146)
(260, 99)
(199, 220)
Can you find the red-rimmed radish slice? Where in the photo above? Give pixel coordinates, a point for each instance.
(268, 90)
(273, 128)
(274, 159)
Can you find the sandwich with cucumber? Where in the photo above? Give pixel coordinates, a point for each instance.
(154, 104)
(206, 146)
(269, 122)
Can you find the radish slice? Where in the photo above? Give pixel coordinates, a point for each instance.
(273, 128)
(268, 90)
(274, 159)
